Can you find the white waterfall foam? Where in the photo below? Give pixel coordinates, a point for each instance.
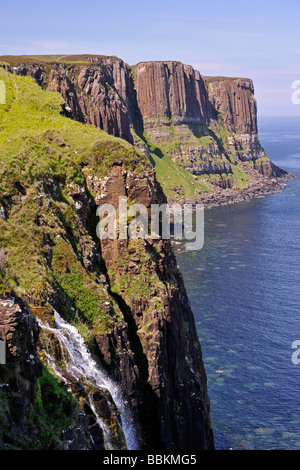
(79, 363)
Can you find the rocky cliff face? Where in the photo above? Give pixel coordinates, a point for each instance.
(234, 100)
(30, 398)
(205, 125)
(19, 331)
(172, 89)
(163, 371)
(102, 95)
(127, 297)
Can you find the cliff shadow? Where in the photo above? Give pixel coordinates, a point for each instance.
(147, 412)
(198, 133)
(139, 130)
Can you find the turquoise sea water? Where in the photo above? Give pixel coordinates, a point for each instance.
(244, 289)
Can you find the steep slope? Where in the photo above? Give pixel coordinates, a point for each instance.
(200, 133)
(234, 101)
(126, 298)
(35, 411)
(206, 125)
(172, 89)
(97, 90)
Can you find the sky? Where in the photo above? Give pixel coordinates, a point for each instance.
(255, 39)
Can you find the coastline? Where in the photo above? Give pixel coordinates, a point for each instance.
(257, 187)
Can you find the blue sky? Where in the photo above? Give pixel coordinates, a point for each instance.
(256, 39)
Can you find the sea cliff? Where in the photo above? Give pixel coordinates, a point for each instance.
(76, 132)
(126, 297)
(200, 133)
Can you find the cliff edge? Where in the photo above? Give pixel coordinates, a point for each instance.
(126, 297)
(200, 133)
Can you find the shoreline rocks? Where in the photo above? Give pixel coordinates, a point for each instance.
(225, 197)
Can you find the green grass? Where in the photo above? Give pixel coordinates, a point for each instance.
(53, 410)
(54, 407)
(175, 180)
(211, 79)
(15, 60)
(262, 159)
(37, 142)
(50, 141)
(239, 177)
(44, 156)
(173, 176)
(82, 290)
(170, 155)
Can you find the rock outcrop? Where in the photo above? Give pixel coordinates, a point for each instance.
(234, 100)
(19, 331)
(172, 89)
(22, 424)
(126, 296)
(206, 125)
(163, 372)
(101, 94)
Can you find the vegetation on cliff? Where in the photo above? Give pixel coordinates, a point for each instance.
(53, 409)
(45, 159)
(200, 133)
(129, 296)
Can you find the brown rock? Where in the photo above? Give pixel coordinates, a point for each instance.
(234, 98)
(149, 352)
(172, 89)
(19, 330)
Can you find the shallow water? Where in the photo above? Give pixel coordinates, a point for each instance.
(244, 288)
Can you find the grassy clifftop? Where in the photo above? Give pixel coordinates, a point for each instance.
(13, 60)
(45, 159)
(32, 127)
(127, 299)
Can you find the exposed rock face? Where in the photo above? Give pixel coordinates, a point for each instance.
(234, 99)
(106, 97)
(205, 124)
(19, 331)
(208, 127)
(60, 82)
(162, 372)
(267, 168)
(19, 376)
(172, 89)
(96, 403)
(127, 294)
(102, 95)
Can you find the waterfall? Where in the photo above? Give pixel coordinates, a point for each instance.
(76, 363)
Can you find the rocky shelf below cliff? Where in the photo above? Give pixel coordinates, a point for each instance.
(196, 131)
(126, 298)
(258, 186)
(194, 140)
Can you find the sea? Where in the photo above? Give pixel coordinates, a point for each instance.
(244, 290)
